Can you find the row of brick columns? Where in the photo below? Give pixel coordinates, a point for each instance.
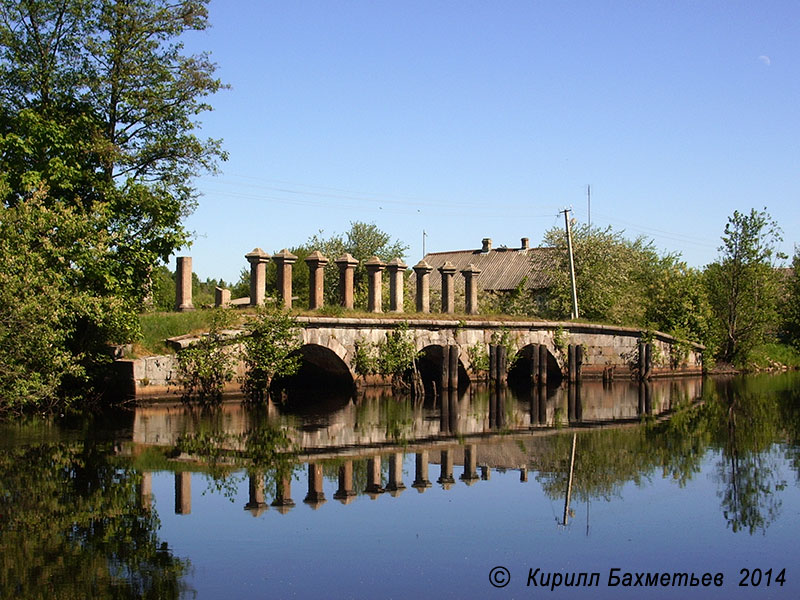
(316, 262)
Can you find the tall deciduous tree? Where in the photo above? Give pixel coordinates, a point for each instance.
(743, 284)
(791, 308)
(99, 104)
(98, 109)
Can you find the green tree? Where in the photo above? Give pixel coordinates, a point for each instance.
(791, 307)
(743, 284)
(269, 350)
(98, 112)
(45, 305)
(611, 275)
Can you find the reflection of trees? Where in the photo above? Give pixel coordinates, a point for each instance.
(265, 450)
(72, 526)
(742, 419)
(744, 416)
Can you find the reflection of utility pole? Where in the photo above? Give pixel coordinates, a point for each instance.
(566, 212)
(569, 483)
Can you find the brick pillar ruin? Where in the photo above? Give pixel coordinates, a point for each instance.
(347, 266)
(258, 275)
(470, 274)
(375, 267)
(222, 297)
(183, 284)
(316, 279)
(284, 260)
(447, 271)
(396, 268)
(423, 272)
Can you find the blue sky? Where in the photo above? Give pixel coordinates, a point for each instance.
(484, 119)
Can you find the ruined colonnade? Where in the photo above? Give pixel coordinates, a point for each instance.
(346, 264)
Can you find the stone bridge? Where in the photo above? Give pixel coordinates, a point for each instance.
(453, 353)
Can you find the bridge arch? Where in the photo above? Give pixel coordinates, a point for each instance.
(520, 372)
(321, 365)
(429, 365)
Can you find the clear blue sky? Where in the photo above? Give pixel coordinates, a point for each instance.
(475, 119)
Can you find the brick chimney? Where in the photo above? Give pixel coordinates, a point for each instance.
(487, 245)
(525, 244)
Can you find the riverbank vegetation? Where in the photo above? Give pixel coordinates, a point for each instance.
(97, 155)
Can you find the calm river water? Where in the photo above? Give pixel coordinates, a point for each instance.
(622, 491)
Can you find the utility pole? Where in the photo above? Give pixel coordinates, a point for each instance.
(566, 212)
(589, 202)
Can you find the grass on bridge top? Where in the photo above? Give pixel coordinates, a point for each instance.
(158, 326)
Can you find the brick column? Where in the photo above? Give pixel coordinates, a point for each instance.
(222, 297)
(396, 268)
(447, 271)
(470, 274)
(347, 266)
(316, 279)
(284, 260)
(183, 284)
(423, 272)
(375, 267)
(258, 275)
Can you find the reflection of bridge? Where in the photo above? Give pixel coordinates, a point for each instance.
(475, 431)
(539, 351)
(374, 421)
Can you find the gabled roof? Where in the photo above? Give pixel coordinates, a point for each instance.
(502, 269)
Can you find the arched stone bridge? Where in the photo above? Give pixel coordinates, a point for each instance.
(540, 351)
(599, 350)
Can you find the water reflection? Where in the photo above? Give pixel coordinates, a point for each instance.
(87, 506)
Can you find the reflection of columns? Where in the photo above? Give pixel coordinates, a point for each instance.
(347, 266)
(315, 496)
(446, 479)
(396, 485)
(284, 261)
(258, 275)
(421, 481)
(486, 472)
(374, 477)
(523, 474)
(470, 474)
(345, 494)
(578, 402)
(283, 494)
(397, 269)
(316, 279)
(470, 274)
(423, 295)
(146, 490)
(447, 271)
(375, 267)
(183, 284)
(256, 504)
(183, 493)
(645, 406)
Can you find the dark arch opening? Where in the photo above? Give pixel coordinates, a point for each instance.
(429, 365)
(322, 376)
(519, 376)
